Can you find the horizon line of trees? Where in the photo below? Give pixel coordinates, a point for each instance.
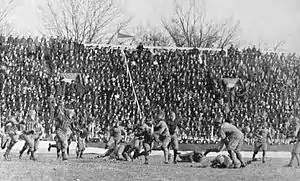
(100, 22)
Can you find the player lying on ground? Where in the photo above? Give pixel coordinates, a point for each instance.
(262, 135)
(220, 161)
(192, 157)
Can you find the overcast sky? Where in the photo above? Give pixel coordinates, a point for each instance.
(261, 20)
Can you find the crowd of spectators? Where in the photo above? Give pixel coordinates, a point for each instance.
(189, 82)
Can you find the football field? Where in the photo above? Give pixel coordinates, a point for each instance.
(48, 168)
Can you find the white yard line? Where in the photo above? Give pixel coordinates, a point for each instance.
(43, 148)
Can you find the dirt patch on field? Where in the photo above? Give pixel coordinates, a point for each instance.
(48, 168)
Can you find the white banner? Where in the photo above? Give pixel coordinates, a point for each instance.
(69, 77)
(230, 82)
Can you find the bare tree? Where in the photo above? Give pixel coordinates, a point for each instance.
(152, 37)
(188, 26)
(278, 45)
(85, 21)
(6, 8)
(118, 28)
(7, 29)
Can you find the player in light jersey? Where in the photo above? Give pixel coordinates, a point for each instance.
(115, 138)
(162, 136)
(32, 140)
(222, 161)
(222, 144)
(233, 139)
(261, 142)
(10, 136)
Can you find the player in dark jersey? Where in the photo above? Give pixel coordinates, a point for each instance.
(63, 131)
(81, 137)
(71, 137)
(145, 131)
(173, 125)
(261, 142)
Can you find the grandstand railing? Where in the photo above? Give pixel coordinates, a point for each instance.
(154, 47)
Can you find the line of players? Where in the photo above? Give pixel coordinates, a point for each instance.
(162, 130)
(31, 131)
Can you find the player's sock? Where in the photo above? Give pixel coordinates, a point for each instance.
(81, 153)
(175, 156)
(49, 148)
(146, 160)
(77, 154)
(264, 156)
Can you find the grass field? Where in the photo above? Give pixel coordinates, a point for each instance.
(48, 168)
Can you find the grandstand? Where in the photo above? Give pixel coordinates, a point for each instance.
(107, 84)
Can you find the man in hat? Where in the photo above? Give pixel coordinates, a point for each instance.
(261, 142)
(32, 134)
(162, 135)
